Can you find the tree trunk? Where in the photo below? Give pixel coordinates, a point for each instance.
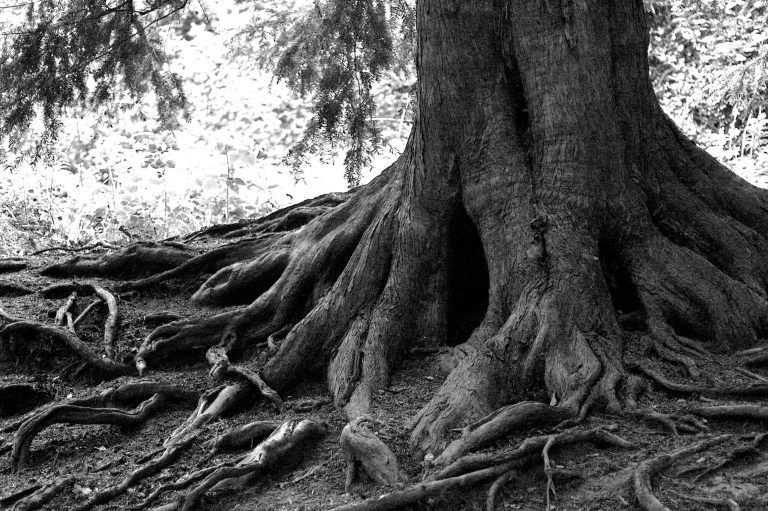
(542, 196)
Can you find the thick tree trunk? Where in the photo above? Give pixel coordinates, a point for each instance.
(542, 196)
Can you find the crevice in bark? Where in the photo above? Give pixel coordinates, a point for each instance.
(467, 278)
(624, 295)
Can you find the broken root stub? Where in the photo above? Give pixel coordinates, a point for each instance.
(362, 447)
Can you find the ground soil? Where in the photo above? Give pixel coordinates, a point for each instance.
(100, 456)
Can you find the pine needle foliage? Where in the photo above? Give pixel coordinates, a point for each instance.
(85, 53)
(65, 53)
(335, 51)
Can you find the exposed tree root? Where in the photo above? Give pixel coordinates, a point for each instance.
(669, 348)
(645, 471)
(44, 495)
(729, 504)
(212, 404)
(104, 365)
(675, 423)
(496, 487)
(86, 311)
(753, 412)
(736, 454)
(110, 325)
(753, 356)
(750, 374)
(60, 318)
(8, 318)
(74, 414)
(182, 483)
(420, 491)
(127, 394)
(531, 446)
(275, 220)
(133, 260)
(360, 446)
(221, 368)
(160, 318)
(755, 390)
(238, 438)
(9, 289)
(203, 263)
(8, 265)
(184, 336)
(505, 420)
(171, 453)
(281, 444)
(20, 397)
(474, 469)
(99, 244)
(8, 500)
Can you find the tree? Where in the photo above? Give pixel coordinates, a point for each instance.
(546, 219)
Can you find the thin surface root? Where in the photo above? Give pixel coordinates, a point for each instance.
(501, 422)
(644, 472)
(284, 442)
(44, 495)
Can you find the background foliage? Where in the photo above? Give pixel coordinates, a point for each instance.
(252, 143)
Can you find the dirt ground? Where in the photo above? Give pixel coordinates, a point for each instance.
(591, 477)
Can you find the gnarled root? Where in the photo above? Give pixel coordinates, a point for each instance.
(474, 469)
(133, 260)
(503, 421)
(213, 404)
(97, 410)
(362, 447)
(530, 446)
(241, 437)
(221, 368)
(645, 471)
(281, 444)
(73, 414)
(206, 262)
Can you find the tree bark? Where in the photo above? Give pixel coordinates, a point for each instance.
(541, 195)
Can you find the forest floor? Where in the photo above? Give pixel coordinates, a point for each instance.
(590, 477)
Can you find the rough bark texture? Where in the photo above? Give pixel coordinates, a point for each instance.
(546, 221)
(542, 195)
